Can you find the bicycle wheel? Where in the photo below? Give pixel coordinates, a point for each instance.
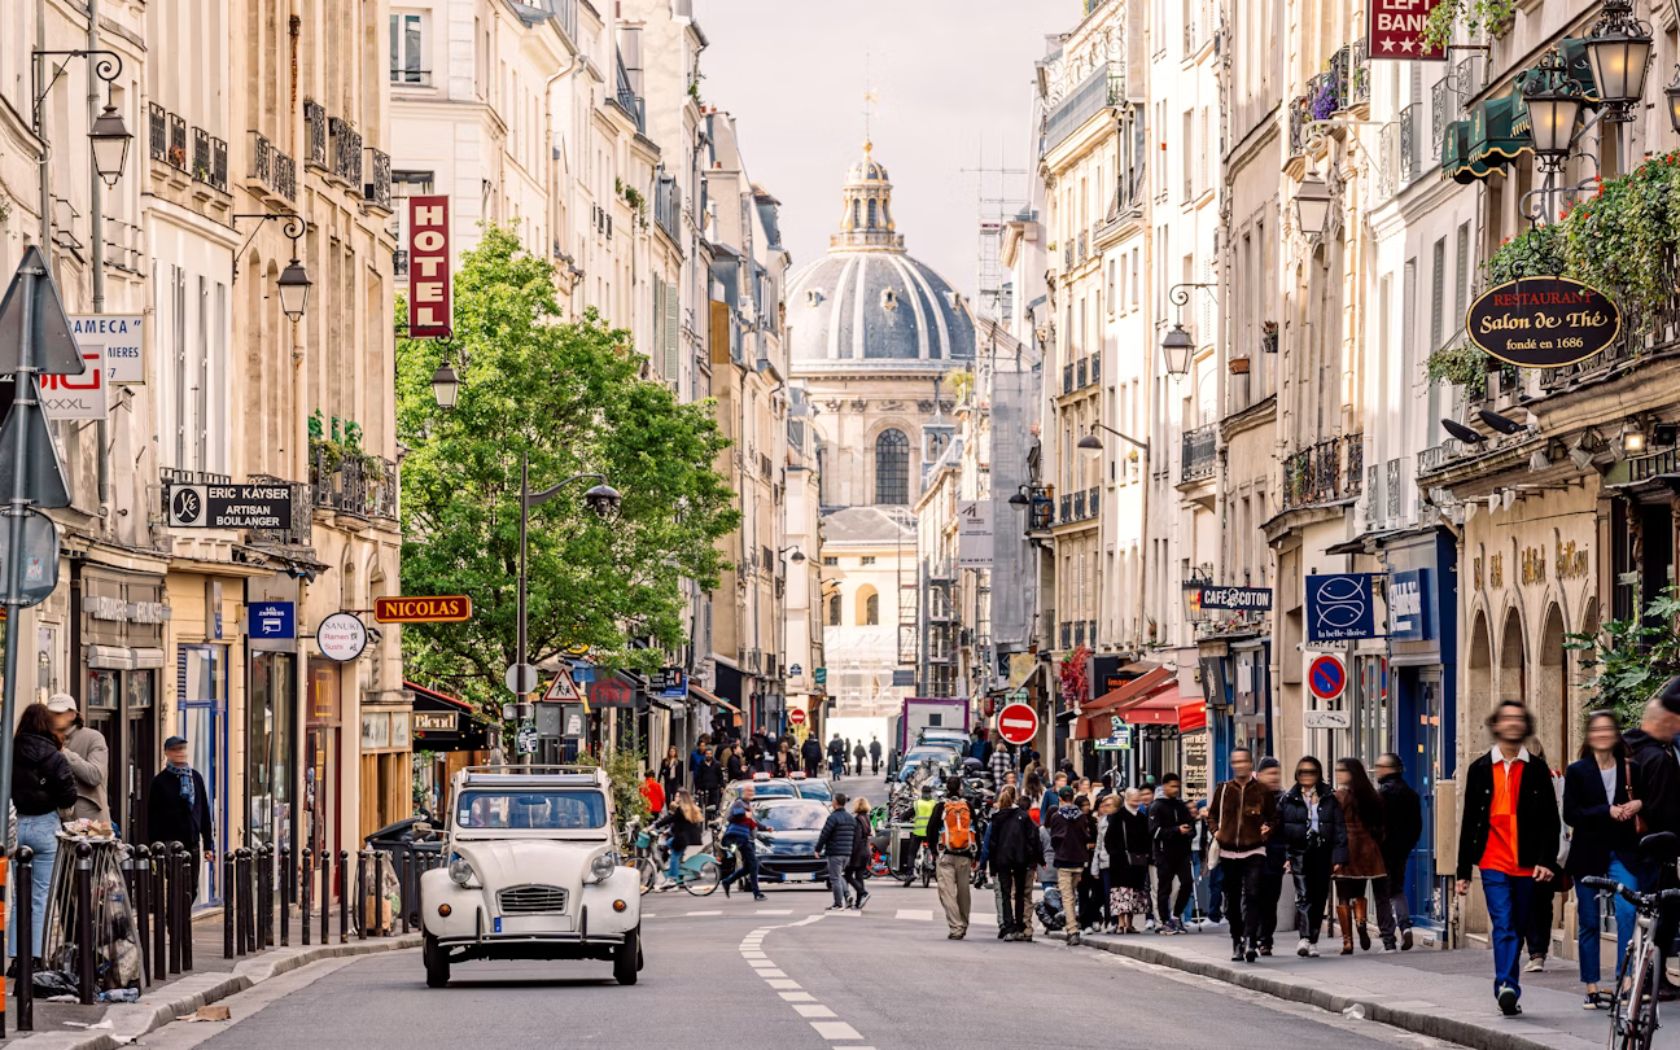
(702, 880)
(1634, 1021)
(646, 874)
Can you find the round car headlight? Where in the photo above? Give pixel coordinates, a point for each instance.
(460, 872)
(602, 866)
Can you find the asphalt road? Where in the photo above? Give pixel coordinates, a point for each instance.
(735, 973)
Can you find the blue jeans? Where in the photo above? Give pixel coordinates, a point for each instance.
(1635, 875)
(39, 833)
(1508, 900)
(673, 868)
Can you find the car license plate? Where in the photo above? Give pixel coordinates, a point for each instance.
(498, 924)
(800, 876)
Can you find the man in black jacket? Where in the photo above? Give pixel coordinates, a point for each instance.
(1171, 829)
(1015, 851)
(1656, 784)
(834, 844)
(811, 752)
(179, 807)
(1402, 826)
(1510, 833)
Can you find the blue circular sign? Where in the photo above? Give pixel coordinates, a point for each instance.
(1326, 677)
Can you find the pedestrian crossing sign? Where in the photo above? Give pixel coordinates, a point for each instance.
(562, 690)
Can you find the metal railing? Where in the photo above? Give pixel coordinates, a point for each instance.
(377, 189)
(200, 155)
(1654, 465)
(178, 142)
(1067, 378)
(1081, 373)
(314, 134)
(1411, 161)
(219, 164)
(1199, 453)
(345, 145)
(1299, 118)
(358, 484)
(1105, 86)
(300, 532)
(1323, 472)
(285, 175)
(399, 263)
(667, 206)
(1392, 485)
(157, 132)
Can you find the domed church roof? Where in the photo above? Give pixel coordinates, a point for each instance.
(867, 304)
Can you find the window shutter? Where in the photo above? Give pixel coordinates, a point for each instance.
(673, 368)
(1437, 293)
(1461, 280)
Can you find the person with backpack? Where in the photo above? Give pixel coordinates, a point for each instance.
(951, 837)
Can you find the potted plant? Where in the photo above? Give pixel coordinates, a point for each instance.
(1269, 337)
(1239, 365)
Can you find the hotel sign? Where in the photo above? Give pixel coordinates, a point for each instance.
(1396, 30)
(430, 313)
(1543, 322)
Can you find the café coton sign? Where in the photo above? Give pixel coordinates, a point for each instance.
(442, 608)
(1543, 322)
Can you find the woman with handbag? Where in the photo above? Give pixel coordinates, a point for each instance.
(1128, 845)
(1362, 812)
(1316, 839)
(1602, 813)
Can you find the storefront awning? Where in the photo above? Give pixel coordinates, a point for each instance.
(1149, 679)
(706, 696)
(1159, 709)
(1192, 716)
(1455, 152)
(445, 723)
(1494, 142)
(1096, 718)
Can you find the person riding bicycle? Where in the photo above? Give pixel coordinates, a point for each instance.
(924, 807)
(685, 822)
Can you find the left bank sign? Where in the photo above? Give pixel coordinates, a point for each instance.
(439, 608)
(430, 307)
(1396, 30)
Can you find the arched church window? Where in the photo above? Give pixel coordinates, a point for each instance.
(892, 468)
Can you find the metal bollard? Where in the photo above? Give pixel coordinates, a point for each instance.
(227, 905)
(361, 893)
(165, 961)
(248, 898)
(406, 883)
(142, 908)
(343, 896)
(238, 900)
(24, 918)
(265, 896)
(187, 872)
(84, 922)
(285, 894)
(326, 896)
(306, 876)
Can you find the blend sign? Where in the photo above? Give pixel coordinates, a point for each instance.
(1543, 322)
(430, 311)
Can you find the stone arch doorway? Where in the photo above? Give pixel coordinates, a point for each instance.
(1479, 681)
(1513, 659)
(1550, 698)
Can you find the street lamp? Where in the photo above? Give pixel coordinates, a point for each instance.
(1619, 51)
(1312, 205)
(1176, 346)
(796, 557)
(1554, 102)
(294, 282)
(110, 138)
(446, 386)
(1672, 93)
(294, 290)
(1091, 444)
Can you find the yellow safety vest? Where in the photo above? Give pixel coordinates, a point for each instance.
(924, 810)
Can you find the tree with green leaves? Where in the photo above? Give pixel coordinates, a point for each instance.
(572, 397)
(1625, 662)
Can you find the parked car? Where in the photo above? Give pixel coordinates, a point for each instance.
(955, 739)
(787, 840)
(945, 758)
(533, 872)
(766, 786)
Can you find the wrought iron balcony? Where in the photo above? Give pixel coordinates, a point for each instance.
(1392, 485)
(1080, 371)
(377, 188)
(1096, 369)
(1106, 86)
(219, 164)
(399, 264)
(157, 132)
(353, 482)
(1324, 472)
(1199, 454)
(1411, 143)
(285, 175)
(1067, 378)
(345, 145)
(1093, 497)
(303, 515)
(200, 155)
(667, 206)
(178, 142)
(314, 134)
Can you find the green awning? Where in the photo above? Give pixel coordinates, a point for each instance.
(1455, 152)
(1493, 142)
(1574, 52)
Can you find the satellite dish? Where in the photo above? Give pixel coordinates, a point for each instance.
(1462, 432)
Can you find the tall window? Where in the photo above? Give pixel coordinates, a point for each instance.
(834, 610)
(408, 62)
(892, 468)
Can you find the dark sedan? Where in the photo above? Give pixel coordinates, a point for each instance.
(787, 840)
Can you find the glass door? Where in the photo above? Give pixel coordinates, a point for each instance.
(203, 721)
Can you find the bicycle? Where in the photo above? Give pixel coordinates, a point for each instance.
(698, 874)
(1633, 1009)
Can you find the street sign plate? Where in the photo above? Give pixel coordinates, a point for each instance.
(562, 690)
(55, 349)
(341, 636)
(1017, 723)
(1328, 720)
(1326, 677)
(38, 573)
(525, 741)
(441, 608)
(43, 479)
(796, 717)
(271, 620)
(229, 506)
(520, 679)
(583, 674)
(820, 675)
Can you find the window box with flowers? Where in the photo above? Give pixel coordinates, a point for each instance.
(1238, 365)
(1269, 337)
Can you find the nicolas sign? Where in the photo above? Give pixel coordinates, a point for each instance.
(1543, 322)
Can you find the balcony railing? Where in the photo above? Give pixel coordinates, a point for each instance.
(1200, 452)
(365, 486)
(1093, 501)
(1299, 117)
(1392, 486)
(178, 142)
(1411, 143)
(1096, 369)
(1654, 465)
(1081, 372)
(1105, 87)
(399, 264)
(314, 134)
(285, 175)
(1322, 473)
(200, 155)
(303, 515)
(377, 188)
(1067, 378)
(1350, 72)
(219, 164)
(157, 132)
(346, 149)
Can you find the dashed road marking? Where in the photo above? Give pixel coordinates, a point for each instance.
(914, 914)
(696, 914)
(782, 985)
(813, 1010)
(771, 973)
(832, 1030)
(745, 954)
(798, 997)
(775, 911)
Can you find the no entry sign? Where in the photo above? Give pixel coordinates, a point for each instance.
(1326, 677)
(796, 717)
(1017, 724)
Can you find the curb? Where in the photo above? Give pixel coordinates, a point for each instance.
(1420, 1018)
(130, 1021)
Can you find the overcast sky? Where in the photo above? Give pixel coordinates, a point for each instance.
(953, 80)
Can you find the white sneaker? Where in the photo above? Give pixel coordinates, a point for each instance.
(1312, 950)
(1536, 964)
(1302, 947)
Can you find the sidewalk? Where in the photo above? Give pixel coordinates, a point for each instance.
(1443, 994)
(65, 1026)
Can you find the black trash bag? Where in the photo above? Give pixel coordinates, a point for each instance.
(48, 983)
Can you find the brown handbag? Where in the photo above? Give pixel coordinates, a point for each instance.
(1639, 825)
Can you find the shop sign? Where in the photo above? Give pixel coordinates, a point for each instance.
(429, 311)
(271, 620)
(341, 637)
(820, 675)
(1340, 606)
(671, 683)
(1408, 611)
(1396, 31)
(974, 534)
(611, 692)
(1543, 322)
(118, 339)
(229, 506)
(1242, 599)
(442, 608)
(432, 722)
(109, 607)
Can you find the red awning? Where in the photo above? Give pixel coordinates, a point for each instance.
(1192, 716)
(1143, 685)
(1096, 718)
(441, 697)
(1160, 708)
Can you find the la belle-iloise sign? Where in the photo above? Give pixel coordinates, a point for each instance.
(1543, 322)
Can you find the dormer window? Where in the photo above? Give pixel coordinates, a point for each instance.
(813, 297)
(889, 300)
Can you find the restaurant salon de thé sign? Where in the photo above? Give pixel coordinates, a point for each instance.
(1543, 322)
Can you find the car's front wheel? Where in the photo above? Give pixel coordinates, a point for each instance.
(436, 958)
(627, 957)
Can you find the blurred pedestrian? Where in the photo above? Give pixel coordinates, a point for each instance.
(1241, 818)
(810, 754)
(1270, 773)
(1362, 813)
(1128, 844)
(89, 759)
(684, 822)
(42, 785)
(1072, 834)
(834, 845)
(1604, 843)
(1402, 827)
(1012, 852)
(653, 793)
(1310, 820)
(671, 773)
(858, 755)
(738, 832)
(178, 809)
(708, 783)
(874, 756)
(862, 852)
(1171, 830)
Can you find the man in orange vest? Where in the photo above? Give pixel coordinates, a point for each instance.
(1510, 833)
